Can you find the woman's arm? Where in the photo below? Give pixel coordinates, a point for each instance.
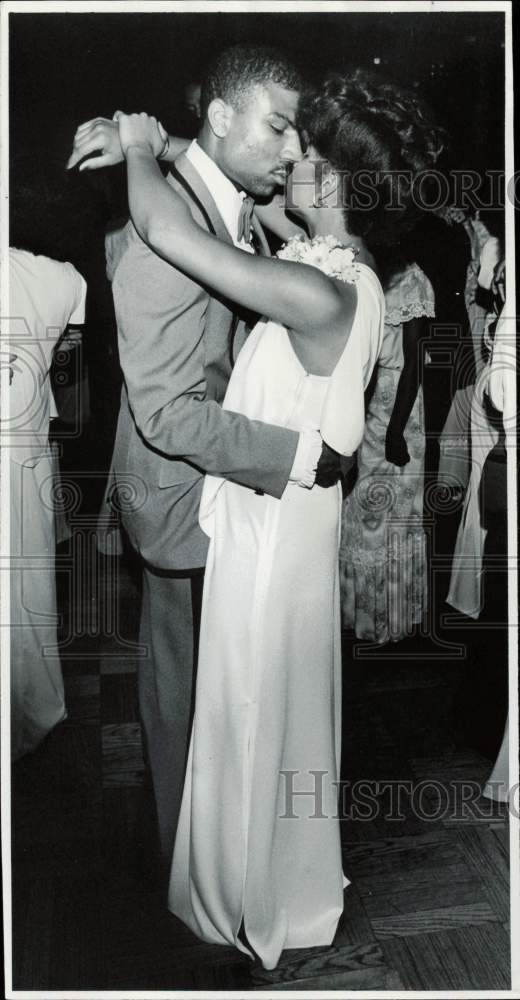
(414, 335)
(296, 295)
(174, 146)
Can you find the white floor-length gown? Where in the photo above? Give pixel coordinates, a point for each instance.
(252, 853)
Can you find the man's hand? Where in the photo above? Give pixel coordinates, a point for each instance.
(99, 140)
(328, 471)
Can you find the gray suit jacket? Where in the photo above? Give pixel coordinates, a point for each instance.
(177, 344)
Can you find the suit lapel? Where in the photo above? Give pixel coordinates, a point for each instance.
(186, 175)
(221, 327)
(219, 322)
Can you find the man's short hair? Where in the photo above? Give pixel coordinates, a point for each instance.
(238, 69)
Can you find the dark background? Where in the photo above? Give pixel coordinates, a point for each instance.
(66, 68)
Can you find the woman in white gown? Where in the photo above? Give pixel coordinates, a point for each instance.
(257, 860)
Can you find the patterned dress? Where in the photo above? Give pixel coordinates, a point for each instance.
(383, 551)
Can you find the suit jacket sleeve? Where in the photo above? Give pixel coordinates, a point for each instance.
(161, 316)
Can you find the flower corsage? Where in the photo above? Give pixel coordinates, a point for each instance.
(324, 252)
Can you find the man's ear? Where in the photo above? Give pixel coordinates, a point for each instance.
(219, 117)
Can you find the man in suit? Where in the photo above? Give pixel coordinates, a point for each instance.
(177, 344)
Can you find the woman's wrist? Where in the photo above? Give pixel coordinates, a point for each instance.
(143, 147)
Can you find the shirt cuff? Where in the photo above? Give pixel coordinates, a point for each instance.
(306, 459)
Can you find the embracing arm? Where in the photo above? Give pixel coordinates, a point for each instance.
(415, 333)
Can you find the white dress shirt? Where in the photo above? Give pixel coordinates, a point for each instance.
(224, 193)
(229, 202)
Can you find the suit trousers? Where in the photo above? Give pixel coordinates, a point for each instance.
(169, 631)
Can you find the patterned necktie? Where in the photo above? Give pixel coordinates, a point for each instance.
(244, 220)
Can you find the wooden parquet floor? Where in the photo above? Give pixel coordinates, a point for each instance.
(428, 903)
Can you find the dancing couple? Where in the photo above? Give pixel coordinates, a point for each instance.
(231, 441)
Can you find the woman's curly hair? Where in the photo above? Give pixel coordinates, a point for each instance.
(380, 137)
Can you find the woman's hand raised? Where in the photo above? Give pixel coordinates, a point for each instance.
(141, 130)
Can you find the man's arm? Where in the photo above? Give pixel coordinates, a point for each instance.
(161, 316)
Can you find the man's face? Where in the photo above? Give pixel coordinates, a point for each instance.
(261, 142)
